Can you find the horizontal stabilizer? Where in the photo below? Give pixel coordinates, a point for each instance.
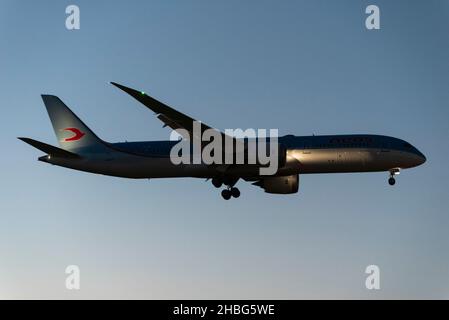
(49, 149)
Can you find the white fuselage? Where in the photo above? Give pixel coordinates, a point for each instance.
(299, 161)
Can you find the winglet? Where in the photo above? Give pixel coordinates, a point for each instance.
(139, 95)
(124, 88)
(146, 100)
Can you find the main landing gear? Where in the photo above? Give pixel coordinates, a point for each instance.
(217, 182)
(392, 180)
(230, 190)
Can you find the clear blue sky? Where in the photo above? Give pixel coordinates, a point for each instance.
(301, 66)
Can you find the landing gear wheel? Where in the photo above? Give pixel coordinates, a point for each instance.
(217, 182)
(235, 192)
(226, 194)
(391, 181)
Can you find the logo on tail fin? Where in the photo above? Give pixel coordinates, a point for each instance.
(77, 134)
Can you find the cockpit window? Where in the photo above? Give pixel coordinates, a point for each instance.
(407, 145)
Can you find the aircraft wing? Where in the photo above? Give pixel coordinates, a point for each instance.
(169, 116)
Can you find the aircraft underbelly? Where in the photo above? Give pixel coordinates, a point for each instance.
(345, 160)
(134, 167)
(158, 168)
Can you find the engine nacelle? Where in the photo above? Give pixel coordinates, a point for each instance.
(280, 185)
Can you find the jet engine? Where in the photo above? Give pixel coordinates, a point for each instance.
(280, 185)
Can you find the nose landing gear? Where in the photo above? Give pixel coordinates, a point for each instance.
(393, 172)
(391, 181)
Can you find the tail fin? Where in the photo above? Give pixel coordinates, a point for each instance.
(70, 131)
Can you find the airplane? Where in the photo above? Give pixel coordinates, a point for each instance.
(81, 149)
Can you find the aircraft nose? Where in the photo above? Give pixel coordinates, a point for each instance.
(421, 157)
